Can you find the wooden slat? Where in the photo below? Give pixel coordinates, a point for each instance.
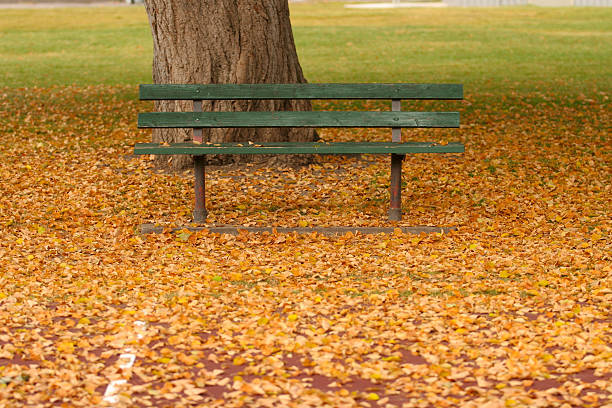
(299, 148)
(301, 91)
(321, 119)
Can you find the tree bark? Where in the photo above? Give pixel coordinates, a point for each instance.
(225, 42)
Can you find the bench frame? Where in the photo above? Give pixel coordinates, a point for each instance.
(197, 93)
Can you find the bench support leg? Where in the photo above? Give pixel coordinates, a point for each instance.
(199, 211)
(395, 208)
(199, 169)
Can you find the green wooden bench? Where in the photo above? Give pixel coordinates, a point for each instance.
(394, 119)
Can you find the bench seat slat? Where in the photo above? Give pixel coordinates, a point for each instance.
(299, 148)
(320, 119)
(300, 91)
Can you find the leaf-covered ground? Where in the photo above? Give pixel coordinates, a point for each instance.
(510, 310)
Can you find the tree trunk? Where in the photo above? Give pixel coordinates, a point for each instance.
(225, 42)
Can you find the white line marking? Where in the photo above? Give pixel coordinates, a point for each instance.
(140, 326)
(110, 395)
(126, 360)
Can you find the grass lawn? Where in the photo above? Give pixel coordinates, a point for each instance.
(510, 310)
(489, 50)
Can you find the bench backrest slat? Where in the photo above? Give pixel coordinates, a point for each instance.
(300, 91)
(320, 119)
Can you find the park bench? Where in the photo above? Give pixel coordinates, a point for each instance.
(394, 119)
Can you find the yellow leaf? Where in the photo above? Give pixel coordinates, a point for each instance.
(184, 235)
(543, 283)
(547, 356)
(504, 274)
(373, 396)
(235, 276)
(263, 321)
(303, 223)
(473, 246)
(292, 317)
(239, 360)
(84, 320)
(164, 360)
(66, 347)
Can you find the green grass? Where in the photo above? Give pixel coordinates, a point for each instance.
(80, 46)
(565, 50)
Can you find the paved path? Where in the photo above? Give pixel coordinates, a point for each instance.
(394, 5)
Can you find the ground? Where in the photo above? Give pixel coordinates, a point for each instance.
(512, 309)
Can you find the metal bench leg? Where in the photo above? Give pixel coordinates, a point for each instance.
(395, 208)
(199, 211)
(199, 169)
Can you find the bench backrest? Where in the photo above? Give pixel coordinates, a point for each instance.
(394, 92)
(300, 91)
